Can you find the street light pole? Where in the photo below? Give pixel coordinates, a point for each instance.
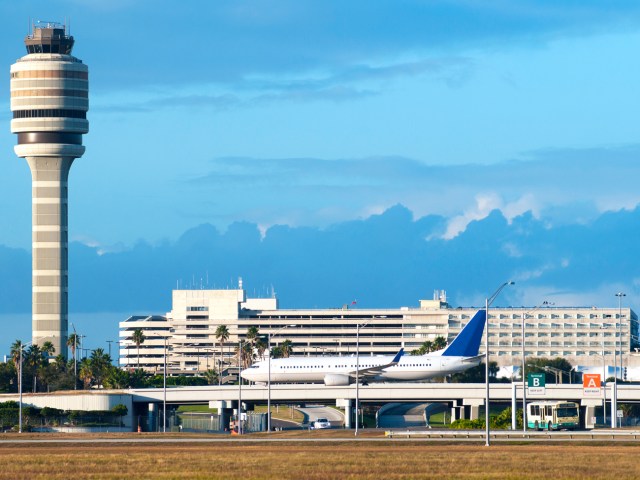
(614, 402)
(358, 327)
(164, 381)
(20, 387)
(357, 374)
(487, 303)
(524, 366)
(22, 345)
(164, 388)
(239, 418)
(604, 382)
(75, 357)
(269, 374)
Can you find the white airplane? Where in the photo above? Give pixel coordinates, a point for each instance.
(460, 355)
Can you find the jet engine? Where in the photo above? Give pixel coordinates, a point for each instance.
(337, 380)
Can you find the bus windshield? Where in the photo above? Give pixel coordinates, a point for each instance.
(567, 412)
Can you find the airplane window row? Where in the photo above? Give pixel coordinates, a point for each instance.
(353, 366)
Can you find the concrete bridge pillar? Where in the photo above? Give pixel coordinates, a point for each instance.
(474, 412)
(348, 410)
(588, 411)
(473, 406)
(458, 410)
(152, 418)
(454, 413)
(225, 410)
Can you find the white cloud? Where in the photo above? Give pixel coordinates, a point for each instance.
(484, 205)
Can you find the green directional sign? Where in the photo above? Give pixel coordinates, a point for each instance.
(536, 383)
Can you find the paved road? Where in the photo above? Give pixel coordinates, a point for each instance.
(408, 415)
(312, 412)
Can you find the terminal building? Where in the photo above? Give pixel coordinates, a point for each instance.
(585, 336)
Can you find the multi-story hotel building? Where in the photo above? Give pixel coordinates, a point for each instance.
(578, 334)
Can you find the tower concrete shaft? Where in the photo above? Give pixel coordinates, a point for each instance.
(49, 101)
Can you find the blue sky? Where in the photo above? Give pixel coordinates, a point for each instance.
(315, 114)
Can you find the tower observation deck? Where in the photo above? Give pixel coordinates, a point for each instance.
(49, 102)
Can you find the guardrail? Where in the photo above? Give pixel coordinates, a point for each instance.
(512, 435)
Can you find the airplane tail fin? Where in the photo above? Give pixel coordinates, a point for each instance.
(467, 343)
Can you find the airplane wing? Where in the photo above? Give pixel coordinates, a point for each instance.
(371, 371)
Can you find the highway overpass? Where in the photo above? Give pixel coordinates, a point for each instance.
(464, 399)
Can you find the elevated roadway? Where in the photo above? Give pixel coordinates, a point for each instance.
(375, 392)
(464, 399)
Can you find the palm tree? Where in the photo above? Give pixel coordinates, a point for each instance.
(252, 335)
(72, 342)
(138, 338)
(212, 376)
(60, 363)
(48, 349)
(100, 363)
(16, 348)
(439, 343)
(85, 372)
(261, 347)
(44, 370)
(16, 351)
(244, 354)
(34, 358)
(425, 348)
(117, 378)
(286, 348)
(222, 335)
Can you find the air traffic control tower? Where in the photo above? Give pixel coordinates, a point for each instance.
(49, 101)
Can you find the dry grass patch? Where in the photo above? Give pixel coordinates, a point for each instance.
(282, 412)
(318, 461)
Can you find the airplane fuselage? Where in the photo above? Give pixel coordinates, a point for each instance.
(316, 369)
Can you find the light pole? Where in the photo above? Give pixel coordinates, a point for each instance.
(240, 352)
(524, 377)
(75, 357)
(269, 374)
(604, 382)
(614, 407)
(164, 389)
(22, 345)
(487, 303)
(358, 327)
(164, 383)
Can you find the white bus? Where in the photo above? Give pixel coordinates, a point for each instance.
(553, 415)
